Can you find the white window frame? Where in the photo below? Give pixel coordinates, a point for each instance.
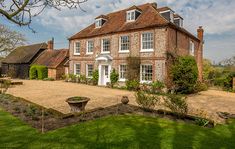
(130, 19)
(146, 50)
(102, 46)
(87, 70)
(141, 78)
(120, 44)
(75, 46)
(191, 48)
(87, 47)
(99, 25)
(75, 69)
(122, 79)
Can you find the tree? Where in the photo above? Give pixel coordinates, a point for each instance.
(185, 74)
(9, 40)
(21, 12)
(207, 69)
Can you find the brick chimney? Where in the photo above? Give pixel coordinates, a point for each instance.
(200, 35)
(50, 44)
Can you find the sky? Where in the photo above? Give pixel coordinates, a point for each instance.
(216, 16)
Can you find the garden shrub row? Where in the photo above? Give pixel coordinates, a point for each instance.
(39, 72)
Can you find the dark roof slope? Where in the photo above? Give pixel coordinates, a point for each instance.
(24, 54)
(116, 22)
(52, 58)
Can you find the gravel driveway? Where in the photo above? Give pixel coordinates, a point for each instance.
(52, 94)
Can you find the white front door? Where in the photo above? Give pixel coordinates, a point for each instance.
(104, 74)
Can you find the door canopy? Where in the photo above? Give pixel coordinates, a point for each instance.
(103, 57)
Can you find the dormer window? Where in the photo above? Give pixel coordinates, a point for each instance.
(100, 20)
(98, 23)
(168, 14)
(132, 15)
(178, 22)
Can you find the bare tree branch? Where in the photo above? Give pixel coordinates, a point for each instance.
(9, 40)
(21, 12)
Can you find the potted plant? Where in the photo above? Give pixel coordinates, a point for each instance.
(77, 104)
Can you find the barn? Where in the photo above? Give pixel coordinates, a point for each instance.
(17, 63)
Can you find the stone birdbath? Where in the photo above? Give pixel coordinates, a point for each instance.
(77, 104)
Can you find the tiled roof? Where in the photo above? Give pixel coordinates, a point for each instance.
(24, 54)
(52, 58)
(116, 22)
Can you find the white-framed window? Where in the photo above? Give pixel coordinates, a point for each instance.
(147, 42)
(77, 69)
(90, 47)
(98, 23)
(191, 48)
(130, 16)
(122, 72)
(124, 44)
(77, 47)
(89, 70)
(146, 73)
(105, 46)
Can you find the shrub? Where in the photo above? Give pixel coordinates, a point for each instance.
(72, 77)
(185, 74)
(95, 77)
(157, 86)
(42, 72)
(202, 122)
(228, 81)
(113, 77)
(38, 72)
(132, 85)
(147, 101)
(200, 87)
(5, 84)
(176, 103)
(33, 72)
(83, 79)
(48, 79)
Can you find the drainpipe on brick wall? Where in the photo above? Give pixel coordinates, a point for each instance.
(200, 34)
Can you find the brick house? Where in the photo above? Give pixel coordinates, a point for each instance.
(54, 60)
(145, 31)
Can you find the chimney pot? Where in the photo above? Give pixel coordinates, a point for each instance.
(50, 44)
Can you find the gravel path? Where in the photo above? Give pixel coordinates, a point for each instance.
(52, 94)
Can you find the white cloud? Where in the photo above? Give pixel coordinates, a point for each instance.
(216, 16)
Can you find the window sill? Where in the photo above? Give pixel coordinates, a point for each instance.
(126, 51)
(122, 80)
(148, 82)
(77, 54)
(146, 50)
(105, 52)
(90, 53)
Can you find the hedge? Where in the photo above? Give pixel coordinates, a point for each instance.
(38, 72)
(33, 73)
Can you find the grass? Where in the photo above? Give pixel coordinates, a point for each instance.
(117, 132)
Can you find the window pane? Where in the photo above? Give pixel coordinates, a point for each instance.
(124, 43)
(147, 41)
(89, 70)
(122, 73)
(90, 46)
(77, 47)
(77, 69)
(146, 72)
(106, 45)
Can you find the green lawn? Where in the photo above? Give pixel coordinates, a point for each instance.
(117, 132)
